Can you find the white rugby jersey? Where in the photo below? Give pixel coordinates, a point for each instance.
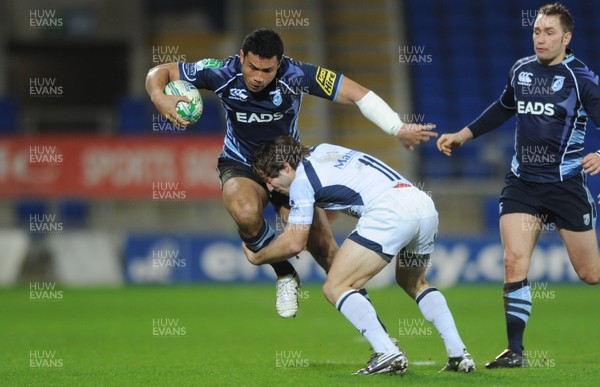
(341, 179)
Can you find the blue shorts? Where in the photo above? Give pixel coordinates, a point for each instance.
(568, 204)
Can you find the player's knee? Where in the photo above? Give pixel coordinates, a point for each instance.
(513, 263)
(329, 292)
(253, 261)
(511, 258)
(589, 278)
(248, 217)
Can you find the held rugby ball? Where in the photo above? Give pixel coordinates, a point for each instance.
(189, 111)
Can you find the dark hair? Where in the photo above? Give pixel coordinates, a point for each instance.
(265, 43)
(269, 159)
(566, 20)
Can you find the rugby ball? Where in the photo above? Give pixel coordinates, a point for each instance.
(189, 111)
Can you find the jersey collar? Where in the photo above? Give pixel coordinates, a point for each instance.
(569, 56)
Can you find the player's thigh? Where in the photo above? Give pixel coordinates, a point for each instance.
(519, 233)
(352, 267)
(582, 247)
(245, 199)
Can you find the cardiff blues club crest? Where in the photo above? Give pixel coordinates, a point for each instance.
(586, 219)
(557, 83)
(276, 97)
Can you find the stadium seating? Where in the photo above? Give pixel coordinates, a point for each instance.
(137, 115)
(470, 67)
(74, 213)
(27, 208)
(8, 115)
(134, 116)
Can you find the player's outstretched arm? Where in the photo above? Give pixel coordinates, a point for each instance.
(449, 141)
(414, 134)
(156, 80)
(287, 245)
(381, 114)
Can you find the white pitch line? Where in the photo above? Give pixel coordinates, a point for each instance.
(421, 362)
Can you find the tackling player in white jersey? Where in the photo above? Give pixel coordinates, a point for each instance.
(395, 219)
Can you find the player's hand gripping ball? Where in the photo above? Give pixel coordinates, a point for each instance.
(189, 111)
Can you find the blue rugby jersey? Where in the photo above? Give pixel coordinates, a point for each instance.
(254, 118)
(552, 106)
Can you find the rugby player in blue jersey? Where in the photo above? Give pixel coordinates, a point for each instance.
(261, 91)
(548, 181)
(394, 219)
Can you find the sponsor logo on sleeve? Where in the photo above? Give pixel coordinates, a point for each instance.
(189, 70)
(209, 63)
(326, 79)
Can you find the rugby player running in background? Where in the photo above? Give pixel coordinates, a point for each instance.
(261, 91)
(395, 219)
(547, 182)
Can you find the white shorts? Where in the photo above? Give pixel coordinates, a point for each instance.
(400, 218)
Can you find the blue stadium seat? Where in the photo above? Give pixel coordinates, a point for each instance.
(438, 166)
(74, 213)
(134, 116)
(8, 115)
(491, 214)
(472, 167)
(212, 120)
(29, 208)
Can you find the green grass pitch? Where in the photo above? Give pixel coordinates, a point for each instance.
(230, 335)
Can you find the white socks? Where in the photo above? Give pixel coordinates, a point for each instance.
(359, 311)
(435, 310)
